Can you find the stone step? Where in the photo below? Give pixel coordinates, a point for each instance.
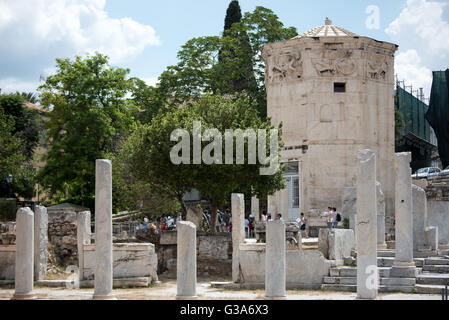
(384, 272)
(425, 254)
(436, 261)
(436, 268)
(383, 281)
(353, 288)
(339, 287)
(386, 253)
(429, 289)
(385, 261)
(340, 280)
(433, 279)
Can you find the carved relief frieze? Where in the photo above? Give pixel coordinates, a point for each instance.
(284, 66)
(377, 67)
(335, 63)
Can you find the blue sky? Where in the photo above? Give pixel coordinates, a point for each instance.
(145, 35)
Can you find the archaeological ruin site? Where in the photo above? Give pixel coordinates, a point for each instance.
(334, 93)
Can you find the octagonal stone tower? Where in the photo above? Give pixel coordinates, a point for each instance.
(333, 90)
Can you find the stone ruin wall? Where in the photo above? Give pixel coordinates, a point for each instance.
(214, 252)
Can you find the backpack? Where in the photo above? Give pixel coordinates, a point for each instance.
(338, 217)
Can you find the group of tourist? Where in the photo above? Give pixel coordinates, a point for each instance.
(333, 217)
(164, 223)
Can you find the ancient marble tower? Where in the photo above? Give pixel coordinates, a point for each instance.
(333, 91)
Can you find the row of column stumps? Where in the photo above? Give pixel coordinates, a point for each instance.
(366, 223)
(275, 262)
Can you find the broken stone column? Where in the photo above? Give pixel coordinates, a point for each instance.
(275, 261)
(419, 207)
(40, 243)
(238, 232)
(103, 230)
(366, 228)
(83, 238)
(349, 209)
(381, 243)
(186, 260)
(403, 265)
(255, 208)
(24, 254)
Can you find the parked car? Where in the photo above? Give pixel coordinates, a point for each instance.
(445, 172)
(424, 173)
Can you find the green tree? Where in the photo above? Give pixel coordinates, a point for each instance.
(151, 146)
(130, 193)
(225, 65)
(233, 15)
(26, 122)
(28, 96)
(90, 117)
(13, 160)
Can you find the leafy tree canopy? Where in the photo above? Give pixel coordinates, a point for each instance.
(228, 65)
(13, 161)
(90, 117)
(26, 122)
(150, 146)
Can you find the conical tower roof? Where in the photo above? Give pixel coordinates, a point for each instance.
(328, 30)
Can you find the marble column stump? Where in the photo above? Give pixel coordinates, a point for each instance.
(186, 269)
(103, 278)
(381, 243)
(275, 260)
(238, 233)
(40, 243)
(403, 266)
(24, 255)
(366, 226)
(83, 238)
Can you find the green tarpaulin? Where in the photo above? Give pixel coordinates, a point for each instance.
(438, 113)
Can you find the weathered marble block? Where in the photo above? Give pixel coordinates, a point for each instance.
(238, 232)
(40, 243)
(275, 261)
(130, 260)
(186, 270)
(24, 254)
(103, 230)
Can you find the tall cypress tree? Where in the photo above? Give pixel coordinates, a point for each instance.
(233, 14)
(241, 75)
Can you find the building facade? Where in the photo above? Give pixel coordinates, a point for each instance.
(333, 91)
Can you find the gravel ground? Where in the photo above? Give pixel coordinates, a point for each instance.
(166, 290)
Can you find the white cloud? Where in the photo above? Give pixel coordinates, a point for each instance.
(422, 35)
(423, 20)
(10, 85)
(34, 33)
(408, 67)
(151, 81)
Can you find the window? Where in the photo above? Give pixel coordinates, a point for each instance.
(339, 87)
